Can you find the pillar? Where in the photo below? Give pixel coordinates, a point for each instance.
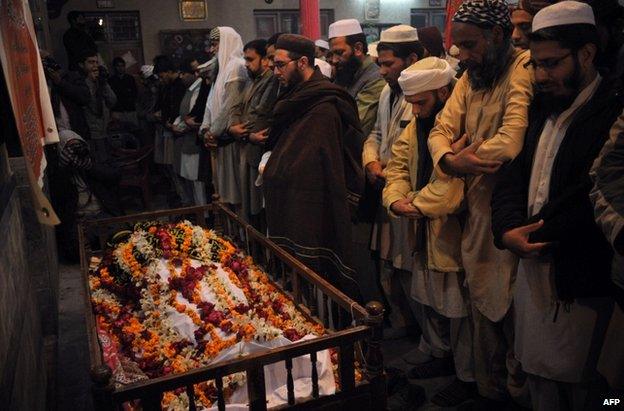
(310, 17)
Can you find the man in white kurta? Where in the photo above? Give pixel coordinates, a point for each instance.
(392, 238)
(224, 95)
(559, 326)
(437, 280)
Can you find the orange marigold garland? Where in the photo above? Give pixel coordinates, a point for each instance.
(163, 270)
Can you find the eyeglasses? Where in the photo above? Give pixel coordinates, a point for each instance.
(548, 64)
(280, 65)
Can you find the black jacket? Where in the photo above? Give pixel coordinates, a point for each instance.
(74, 93)
(582, 256)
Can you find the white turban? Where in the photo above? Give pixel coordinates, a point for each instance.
(428, 74)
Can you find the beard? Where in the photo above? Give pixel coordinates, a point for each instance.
(296, 78)
(557, 104)
(345, 72)
(483, 76)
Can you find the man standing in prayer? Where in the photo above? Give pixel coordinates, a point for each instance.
(541, 211)
(186, 161)
(355, 70)
(248, 124)
(521, 19)
(436, 284)
(431, 39)
(607, 195)
(487, 113)
(314, 173)
(224, 95)
(392, 238)
(321, 48)
(172, 92)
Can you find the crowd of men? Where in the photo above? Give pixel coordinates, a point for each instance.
(481, 195)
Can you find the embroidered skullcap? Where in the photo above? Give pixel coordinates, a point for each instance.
(399, 34)
(214, 34)
(484, 13)
(322, 44)
(343, 28)
(563, 13)
(428, 74)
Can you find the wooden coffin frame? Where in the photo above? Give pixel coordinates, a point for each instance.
(294, 279)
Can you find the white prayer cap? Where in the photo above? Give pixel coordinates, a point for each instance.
(346, 27)
(325, 67)
(563, 13)
(372, 49)
(399, 34)
(428, 74)
(147, 71)
(322, 44)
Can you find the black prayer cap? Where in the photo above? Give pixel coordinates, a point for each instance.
(298, 44)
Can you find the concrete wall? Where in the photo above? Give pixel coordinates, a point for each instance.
(23, 374)
(157, 15)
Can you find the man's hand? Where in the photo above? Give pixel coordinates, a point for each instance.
(405, 208)
(465, 160)
(238, 131)
(210, 140)
(374, 173)
(191, 123)
(517, 241)
(259, 137)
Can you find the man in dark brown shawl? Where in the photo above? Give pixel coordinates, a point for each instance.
(314, 177)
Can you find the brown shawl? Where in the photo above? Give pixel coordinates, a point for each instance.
(313, 177)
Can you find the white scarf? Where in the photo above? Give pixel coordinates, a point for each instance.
(231, 68)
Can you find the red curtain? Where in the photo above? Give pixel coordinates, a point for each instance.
(451, 8)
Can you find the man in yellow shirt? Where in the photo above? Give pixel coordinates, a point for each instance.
(487, 113)
(436, 283)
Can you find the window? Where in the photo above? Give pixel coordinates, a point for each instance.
(269, 22)
(114, 26)
(428, 17)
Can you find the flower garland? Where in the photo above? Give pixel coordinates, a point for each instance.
(167, 270)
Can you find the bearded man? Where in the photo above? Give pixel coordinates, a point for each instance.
(541, 211)
(314, 172)
(355, 70)
(488, 112)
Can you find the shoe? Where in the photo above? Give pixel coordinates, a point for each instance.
(455, 394)
(417, 357)
(407, 397)
(438, 367)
